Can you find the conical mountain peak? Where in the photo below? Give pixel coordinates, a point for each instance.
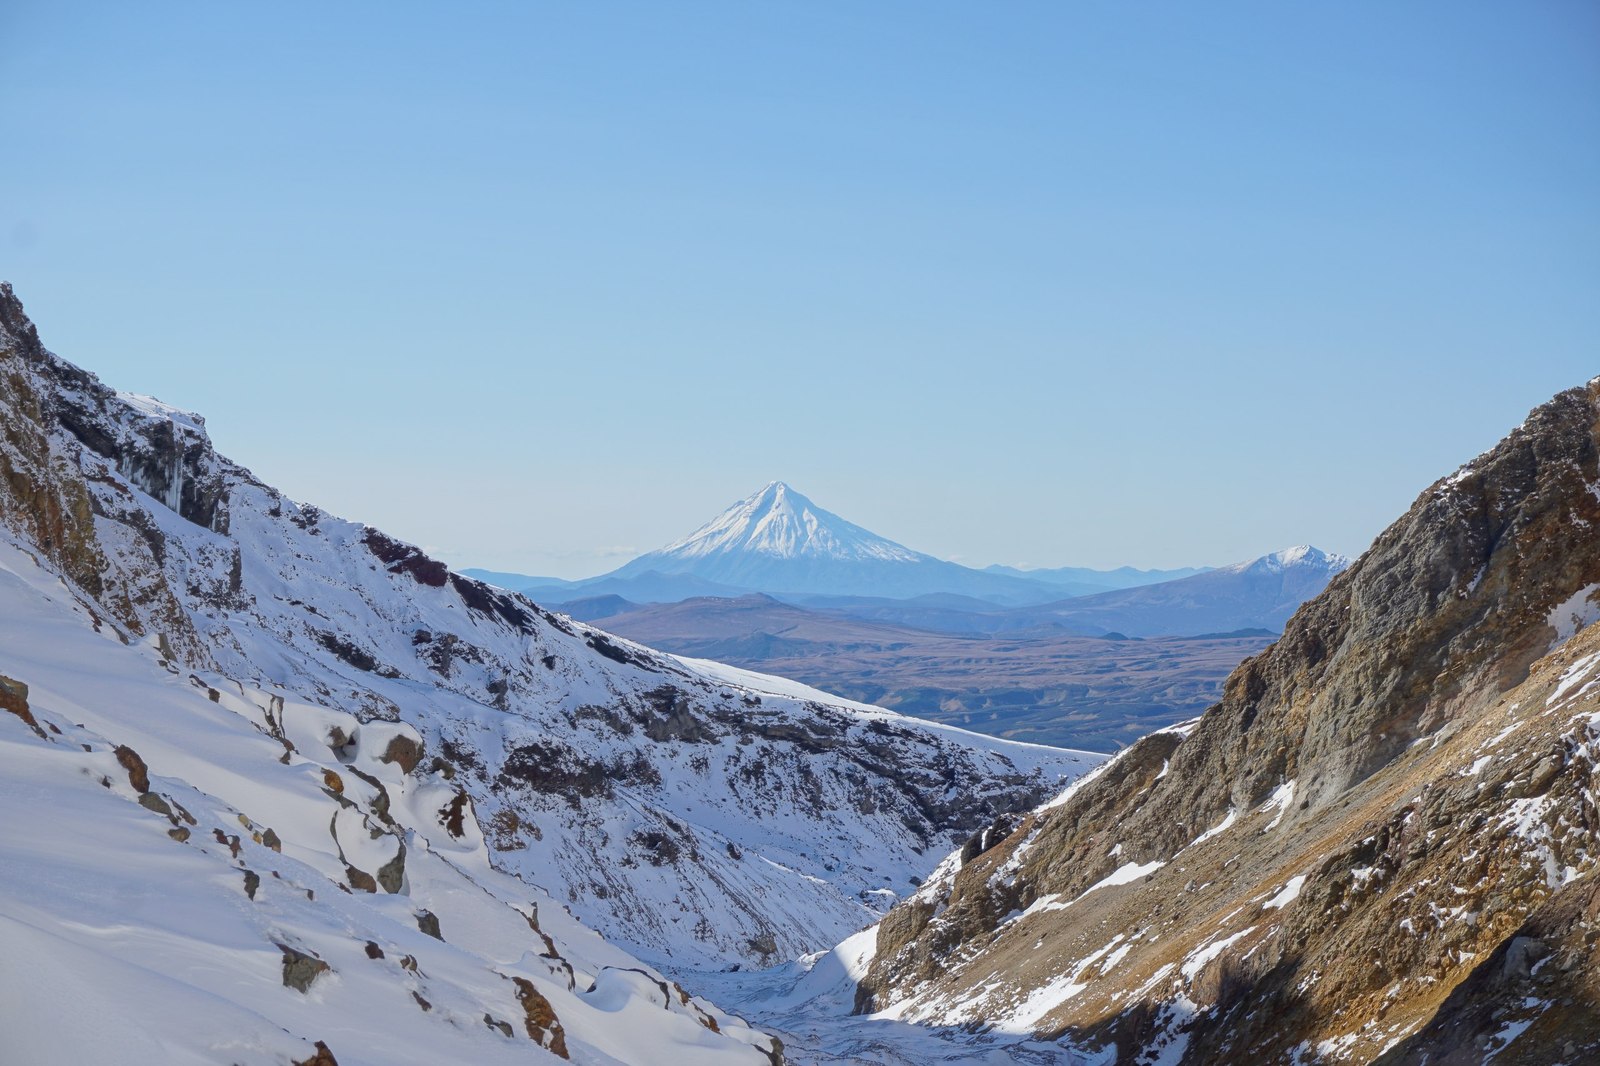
(780, 522)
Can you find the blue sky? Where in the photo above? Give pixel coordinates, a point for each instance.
(539, 286)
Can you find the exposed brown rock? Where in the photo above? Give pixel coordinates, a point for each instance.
(14, 699)
(374, 951)
(685, 1000)
(46, 479)
(323, 1057)
(1551, 958)
(1421, 910)
(774, 1052)
(405, 559)
(453, 815)
(138, 773)
(360, 879)
(544, 1028)
(505, 831)
(532, 919)
(428, 922)
(403, 752)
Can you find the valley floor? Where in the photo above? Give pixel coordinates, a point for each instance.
(807, 1003)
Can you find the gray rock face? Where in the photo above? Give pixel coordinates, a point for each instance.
(300, 969)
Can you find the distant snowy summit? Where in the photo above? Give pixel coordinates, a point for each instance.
(779, 541)
(778, 523)
(1301, 557)
(1260, 593)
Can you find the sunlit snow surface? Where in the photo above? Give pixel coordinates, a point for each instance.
(125, 945)
(809, 1001)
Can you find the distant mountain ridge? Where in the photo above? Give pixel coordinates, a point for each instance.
(1260, 593)
(1017, 672)
(780, 543)
(1090, 581)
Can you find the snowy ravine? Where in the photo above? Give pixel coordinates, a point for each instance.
(485, 754)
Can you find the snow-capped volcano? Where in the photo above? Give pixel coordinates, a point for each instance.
(780, 522)
(778, 541)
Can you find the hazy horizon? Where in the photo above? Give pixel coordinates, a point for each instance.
(541, 288)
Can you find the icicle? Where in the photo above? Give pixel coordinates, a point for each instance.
(175, 491)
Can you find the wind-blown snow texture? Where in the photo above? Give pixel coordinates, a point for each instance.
(698, 816)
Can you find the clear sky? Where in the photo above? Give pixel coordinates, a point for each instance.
(539, 286)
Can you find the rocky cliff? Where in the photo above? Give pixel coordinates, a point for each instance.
(1380, 844)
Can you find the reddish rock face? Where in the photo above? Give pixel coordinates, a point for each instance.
(138, 773)
(403, 752)
(544, 1028)
(14, 700)
(323, 1057)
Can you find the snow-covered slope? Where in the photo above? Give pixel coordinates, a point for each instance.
(178, 882)
(698, 817)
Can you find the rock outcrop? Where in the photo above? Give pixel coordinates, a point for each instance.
(1383, 803)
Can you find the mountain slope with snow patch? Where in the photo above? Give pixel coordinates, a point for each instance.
(1379, 846)
(696, 819)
